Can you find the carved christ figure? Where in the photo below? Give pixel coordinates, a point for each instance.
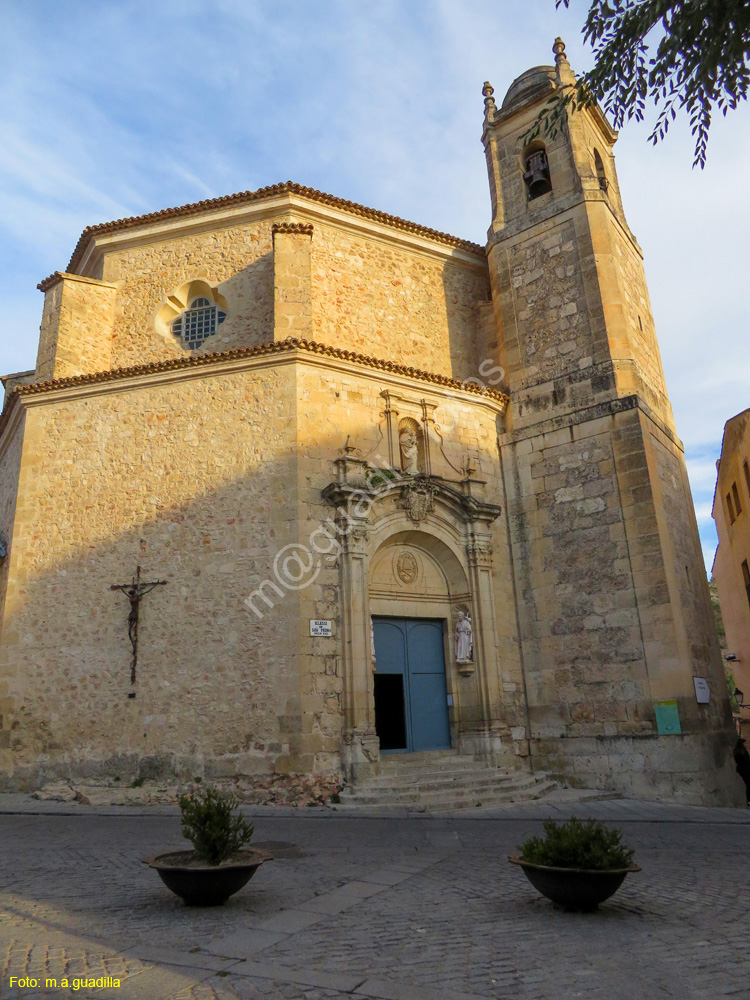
(463, 637)
(409, 452)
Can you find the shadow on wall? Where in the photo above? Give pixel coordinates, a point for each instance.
(467, 356)
(204, 497)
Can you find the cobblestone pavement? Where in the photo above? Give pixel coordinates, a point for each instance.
(421, 908)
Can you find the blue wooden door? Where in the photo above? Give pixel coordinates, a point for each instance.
(411, 707)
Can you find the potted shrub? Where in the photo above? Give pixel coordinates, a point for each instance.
(576, 864)
(219, 863)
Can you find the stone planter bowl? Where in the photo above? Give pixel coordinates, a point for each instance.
(201, 884)
(576, 889)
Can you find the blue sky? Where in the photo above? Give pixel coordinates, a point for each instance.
(111, 108)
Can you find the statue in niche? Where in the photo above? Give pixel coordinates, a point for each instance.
(372, 642)
(463, 638)
(409, 451)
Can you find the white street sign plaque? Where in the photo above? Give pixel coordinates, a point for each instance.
(702, 691)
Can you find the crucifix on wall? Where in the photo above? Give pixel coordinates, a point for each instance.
(135, 592)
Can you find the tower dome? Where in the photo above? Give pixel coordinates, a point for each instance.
(533, 83)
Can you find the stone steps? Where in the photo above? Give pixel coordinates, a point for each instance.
(456, 799)
(456, 766)
(443, 780)
(436, 780)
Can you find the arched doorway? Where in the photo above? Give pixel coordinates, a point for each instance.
(416, 586)
(416, 548)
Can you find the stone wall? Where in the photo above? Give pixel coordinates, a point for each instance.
(360, 291)
(734, 546)
(354, 407)
(11, 450)
(195, 482)
(390, 302)
(638, 321)
(76, 329)
(694, 769)
(613, 615)
(237, 259)
(205, 478)
(546, 323)
(685, 571)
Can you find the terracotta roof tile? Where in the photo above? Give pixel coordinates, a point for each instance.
(245, 197)
(275, 347)
(296, 228)
(48, 282)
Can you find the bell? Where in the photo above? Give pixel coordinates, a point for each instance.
(536, 175)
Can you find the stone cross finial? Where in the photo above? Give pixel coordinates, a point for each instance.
(489, 101)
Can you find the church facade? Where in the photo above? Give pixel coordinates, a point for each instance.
(296, 484)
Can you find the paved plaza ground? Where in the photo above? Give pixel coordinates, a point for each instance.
(398, 908)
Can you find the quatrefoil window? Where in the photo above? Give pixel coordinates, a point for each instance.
(198, 322)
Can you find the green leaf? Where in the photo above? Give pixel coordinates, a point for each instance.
(702, 50)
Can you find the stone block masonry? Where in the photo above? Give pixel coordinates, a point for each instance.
(327, 444)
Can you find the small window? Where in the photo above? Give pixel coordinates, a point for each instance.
(536, 175)
(600, 174)
(747, 476)
(746, 578)
(730, 508)
(198, 323)
(736, 498)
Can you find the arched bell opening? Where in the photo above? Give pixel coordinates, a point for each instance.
(536, 173)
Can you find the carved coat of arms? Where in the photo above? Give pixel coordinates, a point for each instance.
(418, 500)
(407, 568)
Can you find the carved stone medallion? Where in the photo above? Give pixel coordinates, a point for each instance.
(407, 568)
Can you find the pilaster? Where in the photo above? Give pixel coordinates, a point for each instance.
(292, 280)
(76, 329)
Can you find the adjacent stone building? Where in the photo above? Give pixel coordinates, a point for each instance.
(385, 490)
(732, 559)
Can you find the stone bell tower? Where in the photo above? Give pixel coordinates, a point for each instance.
(613, 605)
(568, 281)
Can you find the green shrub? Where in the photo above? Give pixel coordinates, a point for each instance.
(578, 844)
(208, 822)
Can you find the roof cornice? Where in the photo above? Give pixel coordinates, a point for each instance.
(248, 197)
(139, 374)
(58, 276)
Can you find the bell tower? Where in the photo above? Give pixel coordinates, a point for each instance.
(613, 611)
(568, 283)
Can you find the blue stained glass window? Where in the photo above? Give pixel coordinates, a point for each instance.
(198, 323)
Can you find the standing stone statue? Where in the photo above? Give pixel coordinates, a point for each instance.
(409, 452)
(463, 637)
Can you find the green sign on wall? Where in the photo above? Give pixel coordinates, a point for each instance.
(667, 718)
